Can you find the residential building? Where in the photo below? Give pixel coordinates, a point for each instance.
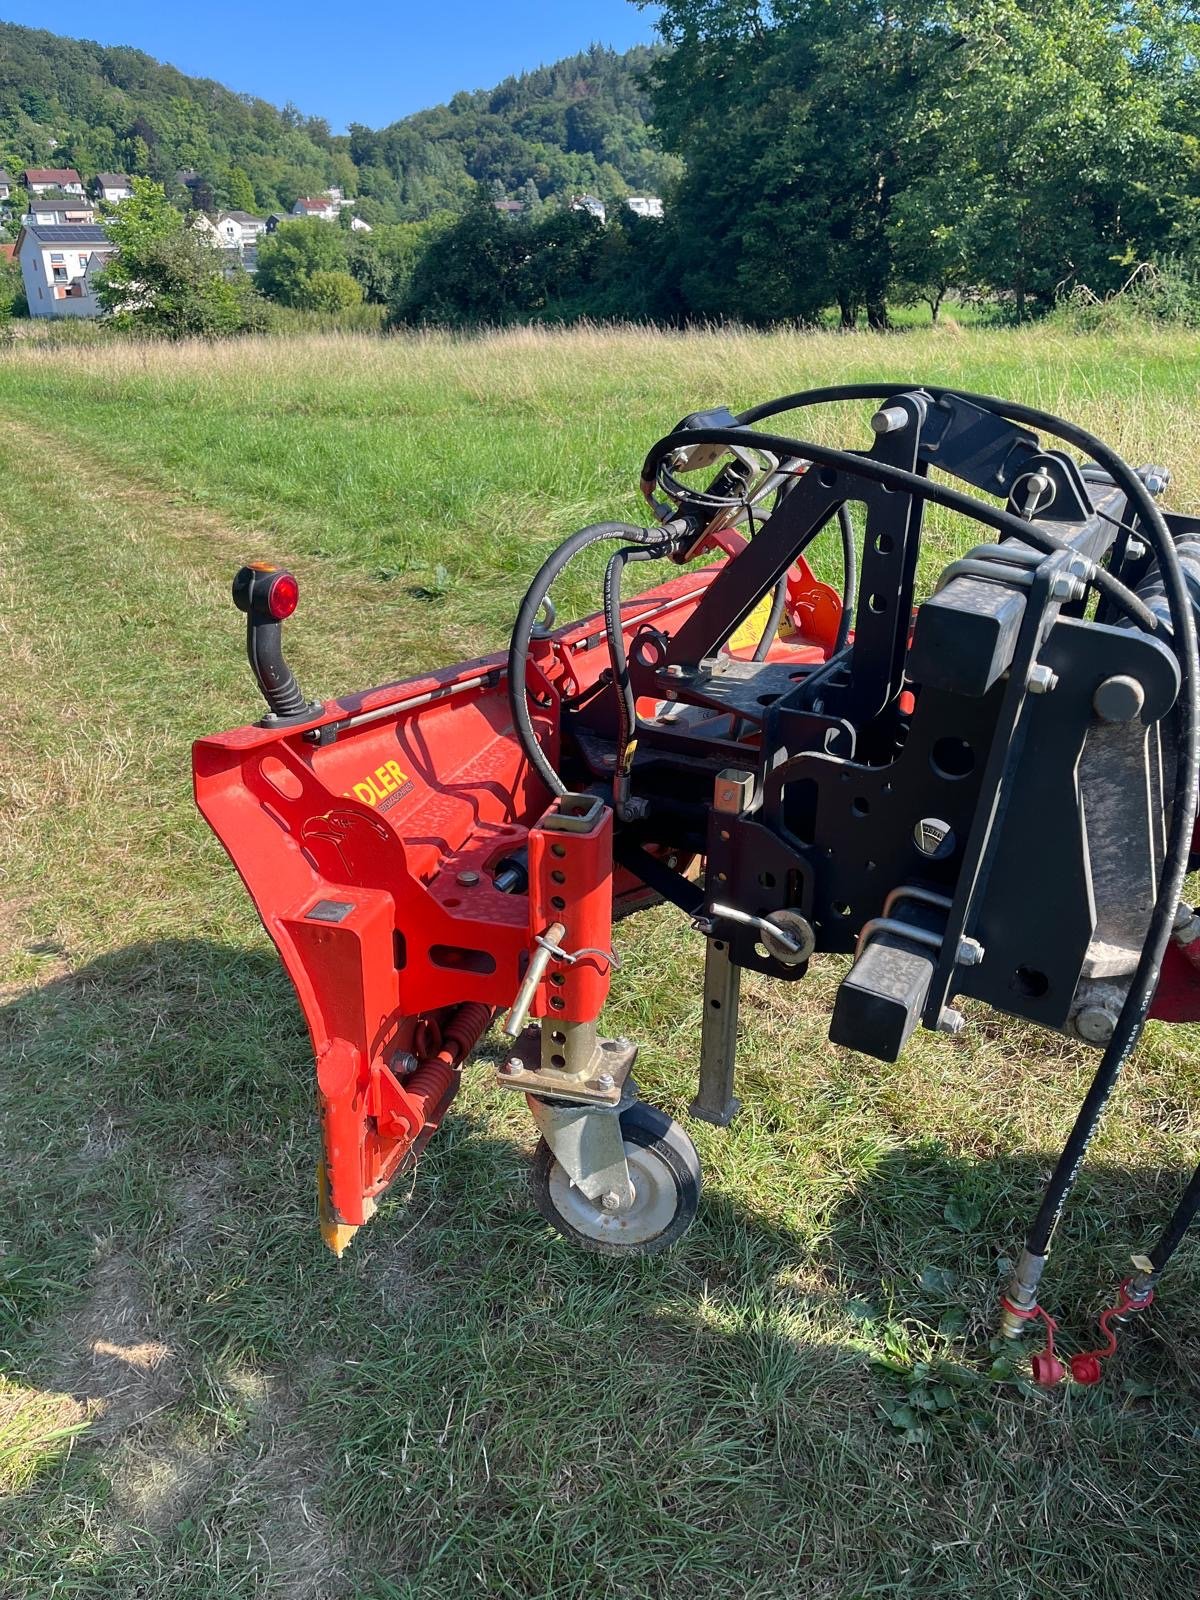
(590, 204)
(58, 210)
(509, 208)
(58, 268)
(276, 218)
(39, 179)
(316, 206)
(645, 205)
(112, 186)
(357, 225)
(238, 228)
(6, 188)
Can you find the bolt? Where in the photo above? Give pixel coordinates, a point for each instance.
(1041, 679)
(970, 952)
(1118, 699)
(611, 1201)
(468, 879)
(1156, 479)
(403, 1062)
(672, 671)
(1134, 549)
(889, 419)
(510, 1067)
(951, 1021)
(1066, 586)
(605, 1081)
(1095, 1024)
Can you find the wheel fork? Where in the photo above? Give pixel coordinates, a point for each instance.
(587, 1144)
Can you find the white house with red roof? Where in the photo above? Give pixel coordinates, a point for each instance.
(39, 179)
(323, 206)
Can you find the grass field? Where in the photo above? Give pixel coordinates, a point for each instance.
(195, 1399)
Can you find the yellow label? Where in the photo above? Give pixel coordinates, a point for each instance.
(747, 635)
(381, 788)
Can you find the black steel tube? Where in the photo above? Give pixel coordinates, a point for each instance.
(1181, 1220)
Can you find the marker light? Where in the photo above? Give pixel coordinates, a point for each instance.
(283, 596)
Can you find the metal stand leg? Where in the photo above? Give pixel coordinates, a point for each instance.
(715, 1101)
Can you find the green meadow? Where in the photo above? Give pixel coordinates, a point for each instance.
(197, 1401)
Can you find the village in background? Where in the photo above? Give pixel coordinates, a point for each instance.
(63, 243)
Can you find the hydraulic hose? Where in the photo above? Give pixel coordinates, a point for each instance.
(849, 579)
(626, 705)
(518, 650)
(778, 601)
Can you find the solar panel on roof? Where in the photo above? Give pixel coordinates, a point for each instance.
(65, 233)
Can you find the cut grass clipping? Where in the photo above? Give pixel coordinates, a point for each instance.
(197, 1400)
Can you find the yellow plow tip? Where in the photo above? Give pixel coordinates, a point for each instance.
(337, 1235)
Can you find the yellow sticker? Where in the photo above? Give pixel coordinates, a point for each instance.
(747, 635)
(381, 788)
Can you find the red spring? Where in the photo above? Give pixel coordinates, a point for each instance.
(464, 1031)
(435, 1081)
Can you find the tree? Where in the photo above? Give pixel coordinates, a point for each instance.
(165, 279)
(290, 256)
(239, 191)
(331, 291)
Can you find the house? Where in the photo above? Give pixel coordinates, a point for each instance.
(6, 188)
(58, 210)
(112, 186)
(590, 204)
(38, 179)
(58, 268)
(357, 225)
(509, 208)
(316, 206)
(8, 252)
(645, 205)
(276, 218)
(207, 229)
(238, 228)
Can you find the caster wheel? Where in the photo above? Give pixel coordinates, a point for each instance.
(665, 1171)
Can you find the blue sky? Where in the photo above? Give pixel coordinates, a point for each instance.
(355, 63)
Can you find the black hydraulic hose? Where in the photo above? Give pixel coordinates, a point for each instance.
(1181, 1220)
(849, 579)
(913, 483)
(778, 601)
(626, 705)
(522, 634)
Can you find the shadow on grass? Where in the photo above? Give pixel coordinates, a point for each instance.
(801, 1398)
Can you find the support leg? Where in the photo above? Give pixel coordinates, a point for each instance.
(715, 1101)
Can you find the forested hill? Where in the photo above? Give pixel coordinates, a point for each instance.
(578, 125)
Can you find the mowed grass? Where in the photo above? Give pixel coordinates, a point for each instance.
(195, 1399)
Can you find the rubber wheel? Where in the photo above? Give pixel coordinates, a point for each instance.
(665, 1170)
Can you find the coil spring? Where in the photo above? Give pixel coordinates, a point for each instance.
(433, 1080)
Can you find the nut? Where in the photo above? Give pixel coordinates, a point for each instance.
(468, 879)
(951, 1021)
(611, 1201)
(510, 1067)
(1041, 679)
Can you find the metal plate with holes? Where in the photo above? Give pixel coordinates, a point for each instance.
(523, 1070)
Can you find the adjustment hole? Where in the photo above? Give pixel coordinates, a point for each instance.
(877, 603)
(884, 544)
(558, 1061)
(860, 806)
(827, 477)
(767, 879)
(715, 1004)
(558, 850)
(557, 979)
(1031, 983)
(557, 1001)
(952, 758)
(840, 908)
(762, 952)
(558, 1036)
(557, 901)
(558, 877)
